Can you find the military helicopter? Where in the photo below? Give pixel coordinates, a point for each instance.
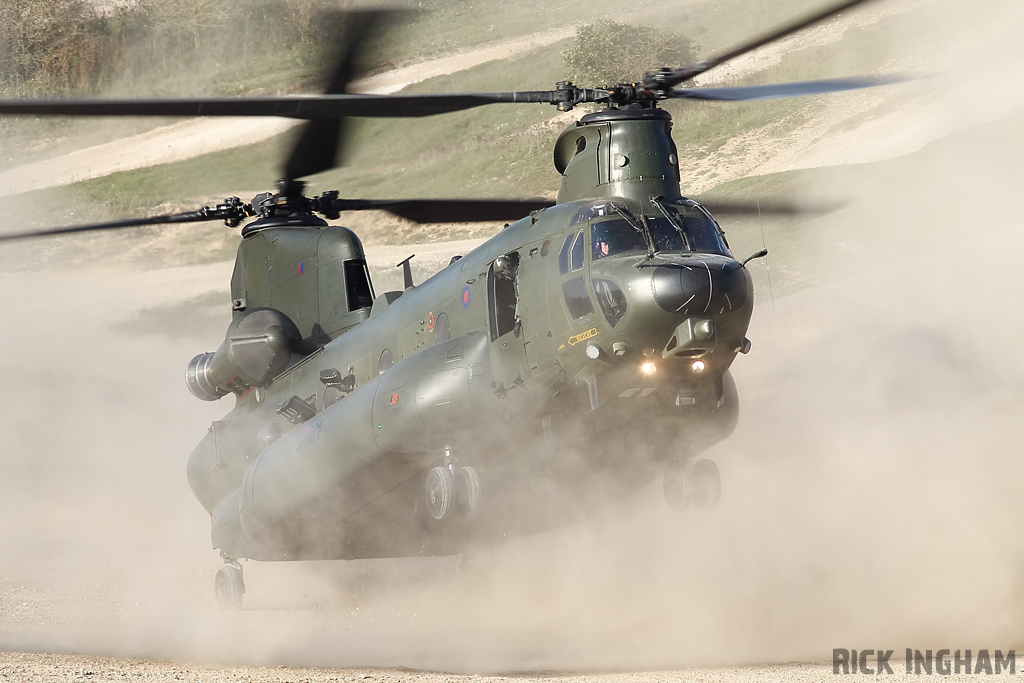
(575, 357)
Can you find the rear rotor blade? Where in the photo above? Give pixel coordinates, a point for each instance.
(317, 146)
(448, 210)
(308, 107)
(669, 78)
(229, 211)
(781, 90)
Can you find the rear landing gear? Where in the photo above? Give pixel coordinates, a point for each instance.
(228, 585)
(688, 482)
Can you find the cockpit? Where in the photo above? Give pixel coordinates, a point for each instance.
(606, 228)
(683, 229)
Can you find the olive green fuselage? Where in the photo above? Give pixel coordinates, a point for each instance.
(558, 358)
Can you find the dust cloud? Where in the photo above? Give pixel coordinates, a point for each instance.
(870, 492)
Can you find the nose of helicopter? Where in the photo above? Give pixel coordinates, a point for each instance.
(708, 285)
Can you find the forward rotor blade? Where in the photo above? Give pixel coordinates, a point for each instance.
(204, 214)
(781, 90)
(448, 210)
(726, 207)
(307, 107)
(676, 76)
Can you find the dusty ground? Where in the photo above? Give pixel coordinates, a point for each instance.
(54, 668)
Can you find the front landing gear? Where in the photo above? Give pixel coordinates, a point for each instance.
(689, 482)
(228, 585)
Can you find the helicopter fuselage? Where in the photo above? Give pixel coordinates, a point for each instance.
(565, 360)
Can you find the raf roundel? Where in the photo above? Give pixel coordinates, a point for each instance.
(465, 297)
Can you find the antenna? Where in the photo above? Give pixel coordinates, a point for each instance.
(407, 271)
(767, 268)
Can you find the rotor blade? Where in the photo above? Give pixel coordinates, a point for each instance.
(676, 76)
(780, 90)
(448, 210)
(204, 214)
(768, 207)
(307, 107)
(316, 148)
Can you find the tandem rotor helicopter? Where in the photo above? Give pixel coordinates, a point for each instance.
(530, 382)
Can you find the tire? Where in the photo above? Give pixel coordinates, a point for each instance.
(467, 491)
(678, 483)
(440, 492)
(229, 587)
(707, 484)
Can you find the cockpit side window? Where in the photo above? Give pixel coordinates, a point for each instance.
(576, 255)
(563, 255)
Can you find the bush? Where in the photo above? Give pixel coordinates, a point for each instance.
(606, 53)
(66, 47)
(51, 46)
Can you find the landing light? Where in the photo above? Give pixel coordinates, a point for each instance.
(697, 366)
(648, 368)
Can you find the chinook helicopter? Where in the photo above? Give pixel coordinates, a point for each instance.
(575, 357)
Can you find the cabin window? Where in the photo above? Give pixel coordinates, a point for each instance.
(502, 290)
(357, 283)
(385, 362)
(442, 331)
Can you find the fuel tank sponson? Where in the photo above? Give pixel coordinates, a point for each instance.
(413, 408)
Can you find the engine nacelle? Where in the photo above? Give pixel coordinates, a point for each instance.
(258, 346)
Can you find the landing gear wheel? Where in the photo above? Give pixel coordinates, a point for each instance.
(440, 493)
(707, 484)
(229, 587)
(467, 491)
(679, 484)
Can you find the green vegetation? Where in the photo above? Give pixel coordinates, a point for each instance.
(490, 151)
(606, 52)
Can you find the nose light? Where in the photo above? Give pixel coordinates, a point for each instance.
(697, 366)
(648, 368)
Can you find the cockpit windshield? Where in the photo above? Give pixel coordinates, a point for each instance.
(615, 237)
(699, 234)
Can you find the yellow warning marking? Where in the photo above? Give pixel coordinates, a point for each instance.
(561, 346)
(582, 336)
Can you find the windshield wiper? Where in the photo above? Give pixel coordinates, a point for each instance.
(660, 203)
(636, 225)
